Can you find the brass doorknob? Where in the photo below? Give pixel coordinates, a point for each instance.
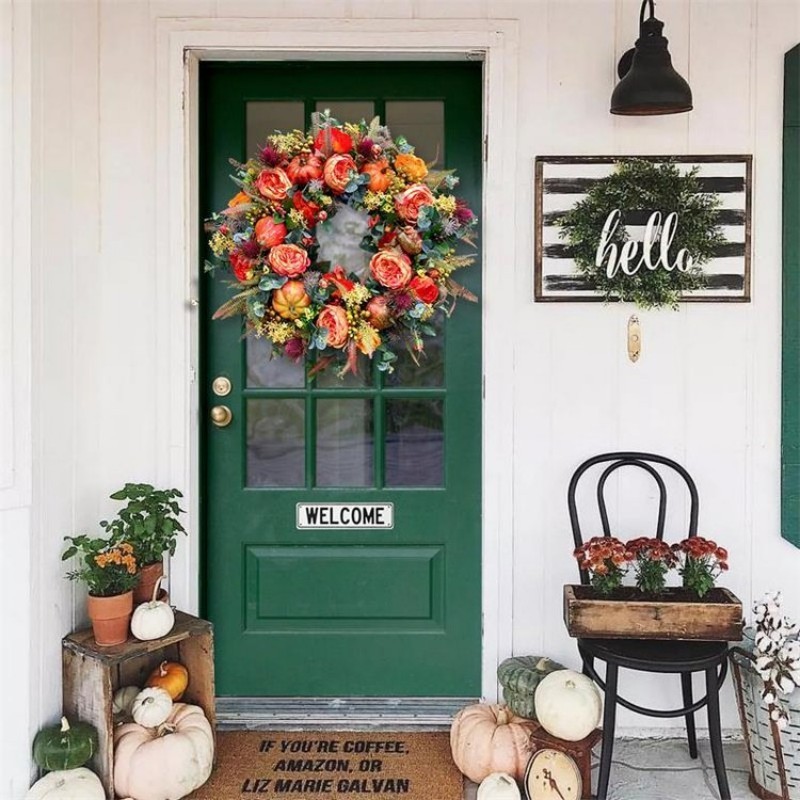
(221, 416)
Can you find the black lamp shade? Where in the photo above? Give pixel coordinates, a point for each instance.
(650, 85)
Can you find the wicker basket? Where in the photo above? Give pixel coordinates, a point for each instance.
(774, 754)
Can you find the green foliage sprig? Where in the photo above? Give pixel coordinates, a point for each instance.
(149, 521)
(640, 185)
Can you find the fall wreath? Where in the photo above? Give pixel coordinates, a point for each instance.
(637, 185)
(269, 238)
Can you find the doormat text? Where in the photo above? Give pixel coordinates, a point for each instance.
(327, 766)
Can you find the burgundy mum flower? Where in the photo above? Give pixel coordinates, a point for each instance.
(250, 249)
(295, 348)
(463, 212)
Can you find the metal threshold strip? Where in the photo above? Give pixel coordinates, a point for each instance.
(327, 713)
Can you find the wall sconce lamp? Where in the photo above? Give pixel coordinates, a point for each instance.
(649, 83)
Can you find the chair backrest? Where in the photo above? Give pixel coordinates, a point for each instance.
(645, 462)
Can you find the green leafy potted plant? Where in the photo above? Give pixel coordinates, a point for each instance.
(149, 521)
(109, 570)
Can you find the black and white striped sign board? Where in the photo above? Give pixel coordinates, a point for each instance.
(562, 181)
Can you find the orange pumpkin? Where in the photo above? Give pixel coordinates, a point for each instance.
(171, 676)
(290, 300)
(490, 738)
(379, 175)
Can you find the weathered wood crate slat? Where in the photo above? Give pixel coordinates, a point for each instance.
(92, 674)
(599, 618)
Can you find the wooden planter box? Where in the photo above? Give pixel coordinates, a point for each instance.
(628, 615)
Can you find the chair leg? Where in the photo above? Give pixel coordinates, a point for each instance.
(609, 719)
(691, 735)
(588, 661)
(715, 732)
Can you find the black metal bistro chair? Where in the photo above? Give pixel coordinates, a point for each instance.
(647, 655)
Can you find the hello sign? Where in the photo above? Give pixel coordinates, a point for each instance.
(563, 181)
(624, 257)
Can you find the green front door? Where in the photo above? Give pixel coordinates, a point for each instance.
(342, 611)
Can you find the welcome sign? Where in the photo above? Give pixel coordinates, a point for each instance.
(561, 182)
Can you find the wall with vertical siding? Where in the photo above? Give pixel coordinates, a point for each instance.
(706, 390)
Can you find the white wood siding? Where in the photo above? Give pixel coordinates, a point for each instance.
(706, 390)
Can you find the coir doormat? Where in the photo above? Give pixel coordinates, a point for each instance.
(332, 766)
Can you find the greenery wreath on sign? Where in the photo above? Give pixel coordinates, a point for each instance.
(645, 186)
(312, 309)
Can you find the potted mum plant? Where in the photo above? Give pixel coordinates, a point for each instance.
(108, 568)
(149, 522)
(607, 608)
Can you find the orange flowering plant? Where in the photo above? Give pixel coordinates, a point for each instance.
(106, 567)
(606, 559)
(404, 215)
(652, 559)
(700, 562)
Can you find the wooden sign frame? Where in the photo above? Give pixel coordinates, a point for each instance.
(556, 276)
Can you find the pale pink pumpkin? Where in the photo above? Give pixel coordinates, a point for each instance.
(490, 738)
(167, 762)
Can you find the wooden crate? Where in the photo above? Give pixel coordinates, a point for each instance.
(667, 617)
(92, 674)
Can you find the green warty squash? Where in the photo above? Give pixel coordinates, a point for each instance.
(64, 746)
(519, 676)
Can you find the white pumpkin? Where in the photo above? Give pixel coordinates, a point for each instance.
(153, 619)
(165, 763)
(68, 784)
(568, 705)
(151, 707)
(498, 786)
(122, 704)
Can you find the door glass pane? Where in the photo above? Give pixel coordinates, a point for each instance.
(422, 123)
(328, 379)
(340, 240)
(265, 371)
(414, 443)
(344, 442)
(266, 116)
(276, 442)
(348, 110)
(430, 370)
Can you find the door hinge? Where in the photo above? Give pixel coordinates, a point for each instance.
(486, 147)
(483, 387)
(192, 374)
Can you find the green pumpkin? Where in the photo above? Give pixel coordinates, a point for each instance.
(64, 746)
(519, 676)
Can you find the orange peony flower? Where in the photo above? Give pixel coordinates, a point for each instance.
(334, 320)
(288, 259)
(408, 203)
(338, 172)
(413, 167)
(391, 269)
(273, 183)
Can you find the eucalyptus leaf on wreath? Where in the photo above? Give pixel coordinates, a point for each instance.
(640, 185)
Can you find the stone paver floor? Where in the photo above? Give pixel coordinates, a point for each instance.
(660, 769)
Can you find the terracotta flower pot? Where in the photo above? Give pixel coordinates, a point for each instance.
(148, 575)
(111, 617)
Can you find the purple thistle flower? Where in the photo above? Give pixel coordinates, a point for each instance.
(463, 212)
(403, 302)
(450, 226)
(270, 156)
(315, 185)
(250, 249)
(365, 148)
(311, 281)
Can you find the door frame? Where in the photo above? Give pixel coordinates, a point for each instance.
(182, 44)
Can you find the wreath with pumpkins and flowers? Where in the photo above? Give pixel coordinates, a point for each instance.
(309, 308)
